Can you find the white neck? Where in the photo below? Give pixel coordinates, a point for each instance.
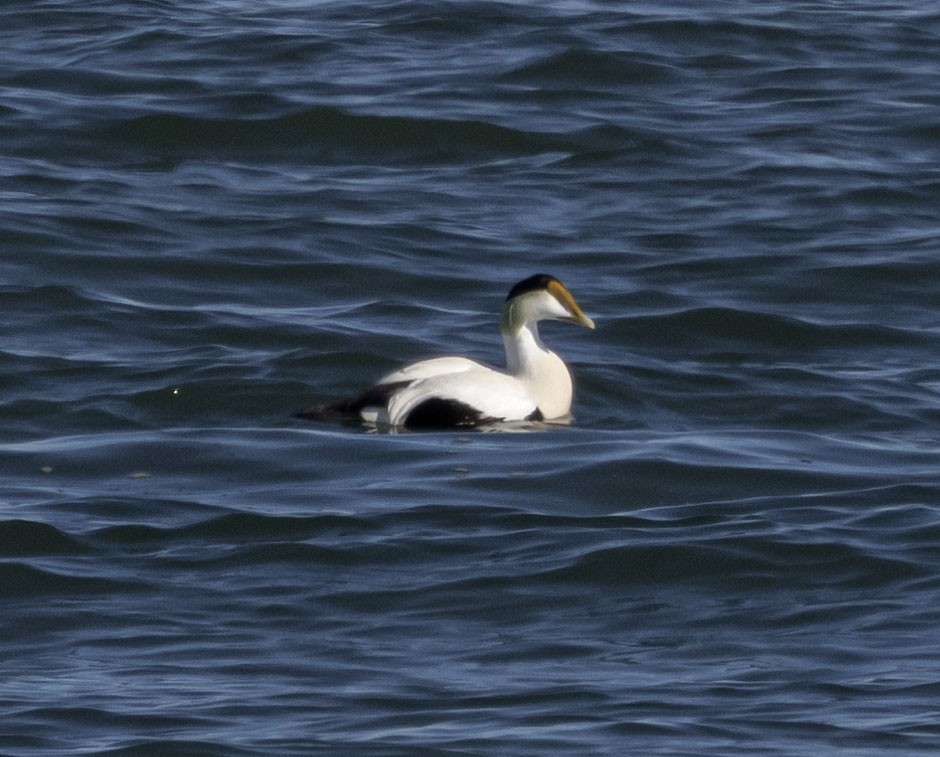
(541, 370)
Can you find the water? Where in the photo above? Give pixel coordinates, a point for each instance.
(213, 216)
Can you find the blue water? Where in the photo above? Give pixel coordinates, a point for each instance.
(215, 214)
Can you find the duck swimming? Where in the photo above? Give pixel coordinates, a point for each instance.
(456, 392)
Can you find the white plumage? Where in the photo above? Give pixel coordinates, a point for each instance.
(455, 391)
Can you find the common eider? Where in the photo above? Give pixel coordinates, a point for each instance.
(455, 392)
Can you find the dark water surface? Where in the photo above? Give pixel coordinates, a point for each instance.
(214, 214)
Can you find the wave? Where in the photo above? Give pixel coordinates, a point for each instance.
(180, 747)
(738, 326)
(20, 580)
(19, 538)
(330, 134)
(580, 68)
(701, 543)
(746, 562)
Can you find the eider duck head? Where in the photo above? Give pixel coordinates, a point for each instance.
(538, 298)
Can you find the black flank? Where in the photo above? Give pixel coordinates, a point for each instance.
(437, 413)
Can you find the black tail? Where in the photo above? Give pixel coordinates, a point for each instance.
(334, 412)
(349, 409)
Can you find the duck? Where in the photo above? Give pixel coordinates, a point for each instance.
(457, 392)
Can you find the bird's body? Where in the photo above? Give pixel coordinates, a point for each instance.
(458, 392)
